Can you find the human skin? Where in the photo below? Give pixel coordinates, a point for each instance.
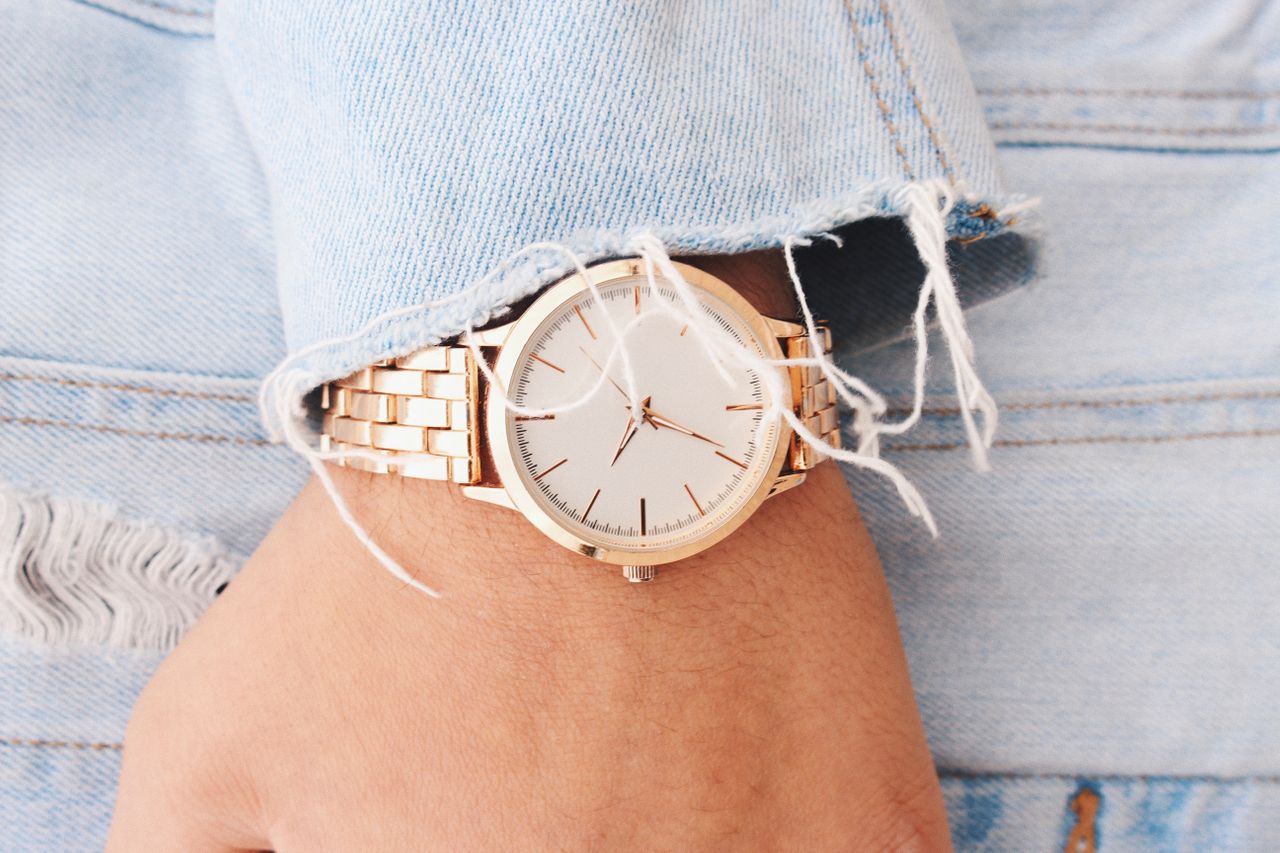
(753, 697)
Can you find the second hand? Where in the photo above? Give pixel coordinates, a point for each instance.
(619, 388)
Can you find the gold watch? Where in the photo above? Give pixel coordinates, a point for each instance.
(702, 456)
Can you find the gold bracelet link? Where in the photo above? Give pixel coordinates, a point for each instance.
(815, 402)
(417, 415)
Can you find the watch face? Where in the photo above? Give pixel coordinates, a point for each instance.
(692, 463)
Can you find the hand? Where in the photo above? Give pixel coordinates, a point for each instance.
(754, 696)
(757, 691)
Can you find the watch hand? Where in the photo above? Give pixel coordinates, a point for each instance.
(626, 439)
(624, 394)
(617, 386)
(627, 435)
(663, 421)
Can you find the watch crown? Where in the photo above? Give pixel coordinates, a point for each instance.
(639, 574)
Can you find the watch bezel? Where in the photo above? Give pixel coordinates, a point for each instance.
(522, 330)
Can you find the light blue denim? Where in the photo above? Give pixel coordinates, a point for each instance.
(178, 212)
(414, 150)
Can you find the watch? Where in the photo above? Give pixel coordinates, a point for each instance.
(636, 480)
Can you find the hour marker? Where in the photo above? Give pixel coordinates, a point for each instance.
(636, 290)
(535, 417)
(731, 459)
(744, 407)
(552, 468)
(534, 355)
(684, 329)
(697, 505)
(644, 530)
(577, 310)
(590, 504)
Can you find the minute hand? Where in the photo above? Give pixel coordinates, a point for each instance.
(663, 421)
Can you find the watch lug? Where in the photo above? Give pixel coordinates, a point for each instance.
(495, 495)
(784, 328)
(495, 337)
(785, 482)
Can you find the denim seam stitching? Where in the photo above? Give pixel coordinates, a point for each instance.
(43, 743)
(916, 98)
(869, 74)
(141, 389)
(173, 10)
(204, 438)
(1099, 439)
(1107, 404)
(954, 773)
(1135, 128)
(1131, 93)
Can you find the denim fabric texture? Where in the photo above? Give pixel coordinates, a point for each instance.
(410, 161)
(189, 194)
(1102, 608)
(137, 304)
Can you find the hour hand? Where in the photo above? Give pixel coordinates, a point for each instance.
(626, 439)
(627, 435)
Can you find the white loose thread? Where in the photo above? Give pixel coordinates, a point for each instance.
(925, 207)
(846, 385)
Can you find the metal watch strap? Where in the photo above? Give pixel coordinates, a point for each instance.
(426, 404)
(814, 399)
(419, 414)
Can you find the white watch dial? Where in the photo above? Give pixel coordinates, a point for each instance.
(700, 451)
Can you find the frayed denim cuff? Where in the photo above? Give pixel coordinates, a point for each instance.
(430, 164)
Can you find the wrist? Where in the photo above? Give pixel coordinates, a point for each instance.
(486, 553)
